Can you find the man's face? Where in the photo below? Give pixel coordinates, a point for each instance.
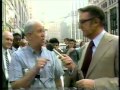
(16, 40)
(38, 35)
(71, 44)
(56, 45)
(23, 42)
(66, 41)
(86, 24)
(7, 41)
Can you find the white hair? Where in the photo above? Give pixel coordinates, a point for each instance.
(28, 28)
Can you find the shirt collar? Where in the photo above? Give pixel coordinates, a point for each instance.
(97, 39)
(4, 50)
(33, 51)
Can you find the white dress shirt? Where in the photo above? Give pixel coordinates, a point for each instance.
(97, 40)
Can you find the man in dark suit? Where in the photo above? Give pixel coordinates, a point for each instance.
(97, 68)
(7, 40)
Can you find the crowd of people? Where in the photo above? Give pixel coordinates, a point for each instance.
(28, 65)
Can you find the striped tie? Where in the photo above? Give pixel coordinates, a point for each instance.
(7, 61)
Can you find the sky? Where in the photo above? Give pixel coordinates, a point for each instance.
(50, 10)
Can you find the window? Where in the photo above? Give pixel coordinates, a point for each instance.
(109, 2)
(104, 5)
(114, 0)
(15, 4)
(19, 13)
(113, 20)
(106, 22)
(97, 1)
(90, 0)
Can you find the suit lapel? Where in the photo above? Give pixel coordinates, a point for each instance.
(99, 53)
(10, 52)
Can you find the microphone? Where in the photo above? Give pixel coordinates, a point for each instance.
(49, 46)
(37, 76)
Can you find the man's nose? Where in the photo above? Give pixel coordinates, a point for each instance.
(10, 41)
(43, 34)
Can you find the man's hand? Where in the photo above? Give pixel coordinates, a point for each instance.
(41, 62)
(85, 83)
(27, 79)
(70, 50)
(68, 62)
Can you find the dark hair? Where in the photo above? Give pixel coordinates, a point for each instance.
(17, 34)
(72, 40)
(23, 35)
(82, 43)
(53, 40)
(66, 39)
(94, 11)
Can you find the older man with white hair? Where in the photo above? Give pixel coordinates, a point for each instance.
(34, 66)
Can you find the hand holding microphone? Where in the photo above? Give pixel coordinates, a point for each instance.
(50, 47)
(68, 62)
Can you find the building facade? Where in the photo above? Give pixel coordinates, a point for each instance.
(66, 27)
(52, 30)
(72, 22)
(14, 15)
(77, 34)
(110, 8)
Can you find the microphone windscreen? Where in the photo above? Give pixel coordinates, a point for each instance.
(49, 46)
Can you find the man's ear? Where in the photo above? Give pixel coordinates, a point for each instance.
(96, 21)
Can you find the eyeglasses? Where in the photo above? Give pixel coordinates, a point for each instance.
(83, 21)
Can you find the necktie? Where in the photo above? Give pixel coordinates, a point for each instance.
(87, 59)
(7, 61)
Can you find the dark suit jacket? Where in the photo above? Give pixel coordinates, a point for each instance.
(104, 65)
(4, 82)
(74, 55)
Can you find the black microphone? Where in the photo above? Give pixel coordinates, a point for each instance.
(37, 76)
(49, 46)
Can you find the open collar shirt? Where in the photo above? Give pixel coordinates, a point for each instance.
(25, 59)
